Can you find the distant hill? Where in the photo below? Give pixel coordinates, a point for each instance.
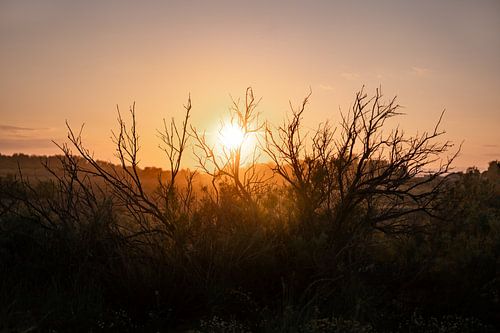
(34, 167)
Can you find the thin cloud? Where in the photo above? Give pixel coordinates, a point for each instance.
(8, 128)
(350, 76)
(17, 138)
(326, 87)
(12, 144)
(420, 71)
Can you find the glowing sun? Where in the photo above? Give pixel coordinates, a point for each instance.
(231, 136)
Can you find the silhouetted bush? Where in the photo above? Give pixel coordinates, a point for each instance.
(351, 234)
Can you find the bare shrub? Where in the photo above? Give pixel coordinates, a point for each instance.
(358, 174)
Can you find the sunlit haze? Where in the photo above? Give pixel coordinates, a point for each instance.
(77, 60)
(231, 136)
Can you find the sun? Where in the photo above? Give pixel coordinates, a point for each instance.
(231, 136)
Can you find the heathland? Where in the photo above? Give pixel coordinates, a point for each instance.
(354, 228)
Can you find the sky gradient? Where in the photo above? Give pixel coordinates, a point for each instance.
(75, 61)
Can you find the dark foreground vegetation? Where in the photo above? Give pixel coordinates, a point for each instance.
(347, 230)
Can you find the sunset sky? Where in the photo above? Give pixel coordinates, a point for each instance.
(76, 60)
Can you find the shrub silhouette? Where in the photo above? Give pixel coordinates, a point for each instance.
(347, 229)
